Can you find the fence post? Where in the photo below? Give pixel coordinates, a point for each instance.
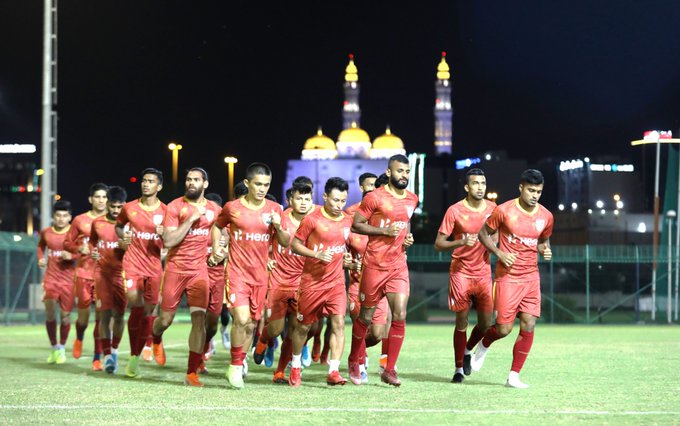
(637, 284)
(587, 284)
(7, 292)
(552, 294)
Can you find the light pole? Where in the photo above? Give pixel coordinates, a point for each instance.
(670, 215)
(230, 162)
(174, 147)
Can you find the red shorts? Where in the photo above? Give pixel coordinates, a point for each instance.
(110, 291)
(84, 292)
(63, 293)
(376, 283)
(462, 289)
(315, 304)
(380, 314)
(242, 294)
(174, 285)
(149, 287)
(510, 298)
(281, 303)
(216, 293)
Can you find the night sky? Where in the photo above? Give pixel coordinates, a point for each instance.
(535, 78)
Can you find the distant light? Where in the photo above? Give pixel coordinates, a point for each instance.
(574, 206)
(590, 211)
(487, 157)
(612, 167)
(561, 207)
(29, 188)
(570, 165)
(466, 162)
(603, 211)
(230, 160)
(619, 204)
(17, 148)
(17, 238)
(57, 197)
(617, 197)
(492, 196)
(616, 212)
(40, 172)
(133, 179)
(599, 204)
(642, 228)
(586, 160)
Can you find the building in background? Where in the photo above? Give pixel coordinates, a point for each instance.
(19, 188)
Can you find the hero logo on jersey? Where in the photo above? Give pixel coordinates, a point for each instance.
(267, 218)
(210, 215)
(409, 211)
(346, 232)
(540, 224)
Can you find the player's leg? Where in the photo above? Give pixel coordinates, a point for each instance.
(459, 342)
(484, 320)
(337, 344)
(198, 294)
(106, 315)
(398, 303)
(224, 320)
(286, 354)
(298, 336)
(151, 296)
(51, 326)
(521, 349)
(241, 335)
(173, 286)
(135, 323)
(323, 357)
(84, 296)
(385, 343)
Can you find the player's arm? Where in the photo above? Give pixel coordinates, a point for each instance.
(172, 236)
(282, 235)
(71, 239)
(544, 248)
(360, 226)
(298, 247)
(486, 237)
(92, 244)
(442, 242)
(42, 245)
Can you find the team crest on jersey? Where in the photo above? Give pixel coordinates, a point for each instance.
(409, 210)
(210, 215)
(232, 298)
(269, 312)
(351, 306)
(300, 317)
(133, 213)
(267, 218)
(362, 296)
(129, 283)
(346, 232)
(540, 224)
(98, 303)
(157, 219)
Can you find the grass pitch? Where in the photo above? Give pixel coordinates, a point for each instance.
(594, 374)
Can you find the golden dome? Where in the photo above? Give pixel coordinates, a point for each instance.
(320, 141)
(388, 141)
(443, 69)
(353, 135)
(351, 72)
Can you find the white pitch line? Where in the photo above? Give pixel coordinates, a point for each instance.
(337, 409)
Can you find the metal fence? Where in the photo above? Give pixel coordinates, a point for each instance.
(582, 284)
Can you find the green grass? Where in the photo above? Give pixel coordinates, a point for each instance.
(596, 374)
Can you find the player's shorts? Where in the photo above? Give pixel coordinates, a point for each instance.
(281, 303)
(315, 304)
(85, 292)
(149, 287)
(376, 283)
(243, 294)
(62, 293)
(511, 298)
(462, 289)
(174, 285)
(110, 291)
(380, 314)
(216, 293)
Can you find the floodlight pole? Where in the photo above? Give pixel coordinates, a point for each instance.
(655, 238)
(48, 155)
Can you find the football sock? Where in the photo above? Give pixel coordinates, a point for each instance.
(521, 349)
(475, 336)
(97, 339)
(359, 330)
(459, 341)
(80, 330)
(296, 361)
(51, 327)
(397, 332)
(64, 329)
(194, 362)
(333, 365)
(286, 354)
(236, 355)
(135, 324)
(490, 336)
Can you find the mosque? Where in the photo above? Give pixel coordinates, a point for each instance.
(353, 153)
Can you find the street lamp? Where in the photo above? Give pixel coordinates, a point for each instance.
(230, 162)
(174, 147)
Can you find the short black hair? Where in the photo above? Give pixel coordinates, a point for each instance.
(304, 180)
(336, 183)
(257, 169)
(270, 197)
(289, 193)
(301, 188)
(365, 176)
(62, 206)
(201, 170)
(532, 177)
(240, 189)
(155, 172)
(98, 187)
(214, 197)
(382, 180)
(473, 172)
(116, 194)
(399, 158)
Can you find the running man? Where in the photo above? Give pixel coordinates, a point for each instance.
(470, 270)
(107, 250)
(524, 228)
(384, 216)
(58, 279)
(186, 234)
(140, 224)
(253, 222)
(322, 239)
(366, 185)
(77, 243)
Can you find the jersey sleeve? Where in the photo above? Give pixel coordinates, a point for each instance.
(223, 219)
(42, 244)
(171, 219)
(71, 239)
(122, 218)
(547, 231)
(94, 237)
(368, 205)
(276, 208)
(305, 229)
(448, 222)
(494, 221)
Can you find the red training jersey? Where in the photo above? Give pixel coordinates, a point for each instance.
(382, 209)
(79, 235)
(189, 256)
(519, 233)
(357, 247)
(104, 239)
(319, 231)
(461, 218)
(143, 255)
(58, 271)
(250, 237)
(286, 275)
(349, 211)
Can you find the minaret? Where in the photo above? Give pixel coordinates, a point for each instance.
(350, 109)
(443, 114)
